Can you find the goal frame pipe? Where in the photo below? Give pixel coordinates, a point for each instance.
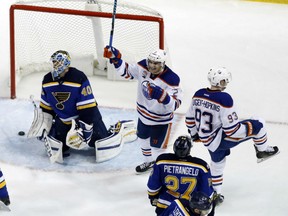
(14, 7)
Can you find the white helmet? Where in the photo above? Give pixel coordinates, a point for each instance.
(216, 75)
(158, 56)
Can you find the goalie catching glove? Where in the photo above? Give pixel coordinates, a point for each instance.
(114, 56)
(79, 136)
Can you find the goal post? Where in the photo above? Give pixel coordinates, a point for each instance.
(39, 28)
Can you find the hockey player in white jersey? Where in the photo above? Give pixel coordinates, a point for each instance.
(159, 95)
(213, 120)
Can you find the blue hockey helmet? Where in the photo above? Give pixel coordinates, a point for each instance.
(182, 146)
(200, 201)
(60, 61)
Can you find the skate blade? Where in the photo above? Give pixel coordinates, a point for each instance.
(145, 172)
(3, 207)
(219, 203)
(259, 160)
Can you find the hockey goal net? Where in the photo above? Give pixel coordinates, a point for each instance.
(39, 28)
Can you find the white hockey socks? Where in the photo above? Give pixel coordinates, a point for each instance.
(217, 169)
(146, 149)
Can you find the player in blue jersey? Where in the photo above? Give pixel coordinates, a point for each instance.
(4, 196)
(213, 120)
(69, 112)
(177, 175)
(159, 95)
(199, 205)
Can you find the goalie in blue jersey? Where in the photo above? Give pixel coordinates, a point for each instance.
(69, 117)
(177, 176)
(4, 196)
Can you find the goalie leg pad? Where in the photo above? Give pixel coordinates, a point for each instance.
(129, 131)
(42, 121)
(53, 148)
(109, 147)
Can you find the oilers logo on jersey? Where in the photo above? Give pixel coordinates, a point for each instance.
(145, 89)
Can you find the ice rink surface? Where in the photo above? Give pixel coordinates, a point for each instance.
(250, 39)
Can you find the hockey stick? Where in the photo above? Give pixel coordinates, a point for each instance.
(113, 21)
(33, 101)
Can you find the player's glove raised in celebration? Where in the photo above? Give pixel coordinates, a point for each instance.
(253, 127)
(156, 92)
(114, 55)
(79, 136)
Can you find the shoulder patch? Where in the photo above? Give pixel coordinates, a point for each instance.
(143, 64)
(169, 77)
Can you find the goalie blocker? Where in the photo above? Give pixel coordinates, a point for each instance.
(79, 136)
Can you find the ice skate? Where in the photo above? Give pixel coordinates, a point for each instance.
(4, 204)
(144, 167)
(218, 199)
(268, 153)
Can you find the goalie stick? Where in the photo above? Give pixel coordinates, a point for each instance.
(113, 21)
(3, 207)
(33, 101)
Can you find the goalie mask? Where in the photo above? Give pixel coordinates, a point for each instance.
(182, 146)
(219, 77)
(156, 61)
(60, 61)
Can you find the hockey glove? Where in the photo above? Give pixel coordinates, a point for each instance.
(154, 201)
(114, 56)
(253, 127)
(158, 93)
(79, 136)
(195, 138)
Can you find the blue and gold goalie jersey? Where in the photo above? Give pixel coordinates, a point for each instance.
(69, 98)
(172, 178)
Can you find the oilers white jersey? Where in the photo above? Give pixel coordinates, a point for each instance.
(210, 114)
(150, 111)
